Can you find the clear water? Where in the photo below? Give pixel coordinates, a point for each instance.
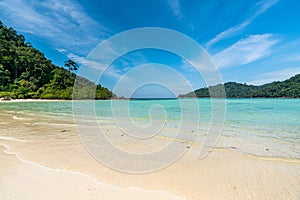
(264, 127)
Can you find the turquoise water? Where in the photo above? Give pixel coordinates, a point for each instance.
(266, 127)
(273, 112)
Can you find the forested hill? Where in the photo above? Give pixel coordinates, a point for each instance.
(289, 88)
(26, 73)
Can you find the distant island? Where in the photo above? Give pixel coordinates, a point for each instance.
(289, 88)
(25, 73)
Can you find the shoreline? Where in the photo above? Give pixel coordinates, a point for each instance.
(34, 100)
(207, 175)
(226, 173)
(87, 183)
(137, 99)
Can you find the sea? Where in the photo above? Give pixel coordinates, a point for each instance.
(258, 127)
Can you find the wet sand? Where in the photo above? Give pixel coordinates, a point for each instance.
(21, 179)
(51, 160)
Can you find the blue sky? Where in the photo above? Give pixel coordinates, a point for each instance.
(250, 41)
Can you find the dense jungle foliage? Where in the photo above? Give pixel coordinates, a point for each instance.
(289, 88)
(26, 73)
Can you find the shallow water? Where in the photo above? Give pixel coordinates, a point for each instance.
(263, 127)
(256, 155)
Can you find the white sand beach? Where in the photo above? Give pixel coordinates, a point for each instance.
(32, 100)
(21, 179)
(43, 157)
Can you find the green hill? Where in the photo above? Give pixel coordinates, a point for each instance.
(26, 73)
(289, 88)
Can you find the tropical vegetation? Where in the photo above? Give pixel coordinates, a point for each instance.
(289, 88)
(26, 73)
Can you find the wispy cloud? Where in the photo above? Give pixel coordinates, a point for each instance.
(246, 51)
(175, 6)
(64, 23)
(278, 75)
(262, 7)
(78, 59)
(126, 63)
(294, 58)
(82, 60)
(92, 70)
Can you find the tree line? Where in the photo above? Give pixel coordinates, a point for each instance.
(289, 88)
(26, 73)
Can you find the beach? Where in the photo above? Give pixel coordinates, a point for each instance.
(21, 179)
(149, 100)
(43, 156)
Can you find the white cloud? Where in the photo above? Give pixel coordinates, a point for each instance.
(279, 75)
(90, 65)
(294, 58)
(64, 22)
(245, 51)
(82, 60)
(262, 7)
(175, 6)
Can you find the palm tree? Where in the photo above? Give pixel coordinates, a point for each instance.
(71, 65)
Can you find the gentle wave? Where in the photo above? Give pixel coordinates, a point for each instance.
(20, 118)
(66, 171)
(277, 159)
(11, 139)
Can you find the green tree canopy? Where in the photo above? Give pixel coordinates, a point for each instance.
(26, 73)
(289, 88)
